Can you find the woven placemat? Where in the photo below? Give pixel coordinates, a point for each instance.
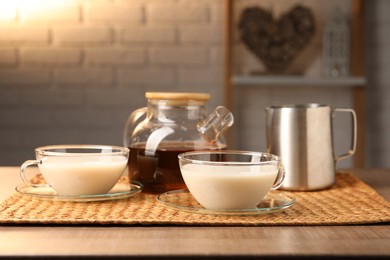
(349, 201)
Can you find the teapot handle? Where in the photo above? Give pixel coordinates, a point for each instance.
(216, 123)
(352, 150)
(132, 121)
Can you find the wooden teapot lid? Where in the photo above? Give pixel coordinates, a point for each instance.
(178, 96)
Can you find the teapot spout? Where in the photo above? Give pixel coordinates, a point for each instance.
(216, 123)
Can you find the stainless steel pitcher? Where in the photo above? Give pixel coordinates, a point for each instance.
(302, 135)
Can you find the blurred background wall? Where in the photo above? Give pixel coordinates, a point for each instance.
(71, 71)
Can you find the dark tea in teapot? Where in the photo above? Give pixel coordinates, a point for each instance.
(159, 172)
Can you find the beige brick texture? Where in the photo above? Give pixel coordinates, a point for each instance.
(177, 13)
(179, 55)
(83, 35)
(8, 57)
(24, 76)
(149, 35)
(26, 35)
(86, 76)
(116, 56)
(113, 12)
(49, 12)
(51, 56)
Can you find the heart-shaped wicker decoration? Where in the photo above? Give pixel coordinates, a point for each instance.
(276, 42)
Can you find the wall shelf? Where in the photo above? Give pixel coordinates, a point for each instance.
(262, 81)
(356, 83)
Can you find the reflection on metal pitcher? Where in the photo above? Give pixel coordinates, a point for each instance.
(302, 136)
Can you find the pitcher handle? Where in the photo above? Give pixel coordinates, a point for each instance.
(352, 150)
(131, 122)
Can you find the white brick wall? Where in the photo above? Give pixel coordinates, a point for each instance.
(8, 57)
(83, 35)
(19, 34)
(26, 76)
(159, 12)
(179, 56)
(116, 56)
(147, 76)
(72, 73)
(49, 98)
(93, 77)
(50, 57)
(110, 12)
(45, 11)
(155, 35)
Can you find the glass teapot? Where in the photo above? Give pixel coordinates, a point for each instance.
(172, 123)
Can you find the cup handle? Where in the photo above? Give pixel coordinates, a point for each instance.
(352, 150)
(23, 173)
(279, 178)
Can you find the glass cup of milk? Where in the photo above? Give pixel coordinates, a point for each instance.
(230, 180)
(74, 170)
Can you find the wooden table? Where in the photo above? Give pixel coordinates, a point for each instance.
(198, 241)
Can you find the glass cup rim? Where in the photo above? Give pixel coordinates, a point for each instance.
(109, 150)
(184, 157)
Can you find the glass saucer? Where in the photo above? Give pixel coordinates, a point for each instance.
(119, 191)
(183, 200)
